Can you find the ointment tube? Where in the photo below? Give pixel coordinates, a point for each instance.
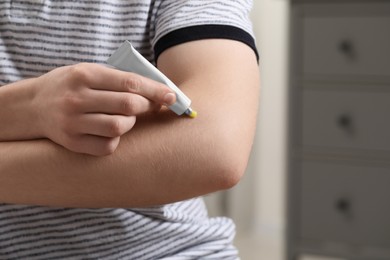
(127, 58)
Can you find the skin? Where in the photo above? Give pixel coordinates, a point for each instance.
(160, 158)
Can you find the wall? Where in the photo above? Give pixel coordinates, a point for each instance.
(267, 168)
(257, 203)
(270, 19)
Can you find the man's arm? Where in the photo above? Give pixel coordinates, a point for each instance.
(164, 158)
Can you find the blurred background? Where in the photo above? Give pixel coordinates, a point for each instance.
(318, 182)
(257, 203)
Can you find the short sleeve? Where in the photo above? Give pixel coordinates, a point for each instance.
(177, 22)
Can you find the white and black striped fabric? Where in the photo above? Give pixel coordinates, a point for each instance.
(39, 35)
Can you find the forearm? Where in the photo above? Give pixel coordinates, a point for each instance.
(163, 159)
(17, 120)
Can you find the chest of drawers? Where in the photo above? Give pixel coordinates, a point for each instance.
(338, 200)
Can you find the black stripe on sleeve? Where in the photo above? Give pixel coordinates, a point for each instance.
(200, 32)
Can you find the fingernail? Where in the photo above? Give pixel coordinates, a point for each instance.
(169, 98)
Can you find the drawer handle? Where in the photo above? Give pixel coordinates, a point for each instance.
(345, 122)
(347, 48)
(344, 206)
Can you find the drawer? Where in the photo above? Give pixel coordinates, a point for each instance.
(345, 204)
(346, 119)
(346, 46)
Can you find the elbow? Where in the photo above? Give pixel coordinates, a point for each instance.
(225, 152)
(231, 172)
(230, 160)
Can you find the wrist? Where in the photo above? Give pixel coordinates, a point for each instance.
(36, 106)
(19, 115)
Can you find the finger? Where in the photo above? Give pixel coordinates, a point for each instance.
(116, 80)
(105, 125)
(94, 145)
(118, 103)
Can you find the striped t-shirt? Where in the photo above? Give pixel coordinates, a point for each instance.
(39, 35)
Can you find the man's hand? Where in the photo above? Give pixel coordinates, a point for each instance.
(87, 107)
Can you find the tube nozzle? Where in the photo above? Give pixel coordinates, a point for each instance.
(191, 113)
